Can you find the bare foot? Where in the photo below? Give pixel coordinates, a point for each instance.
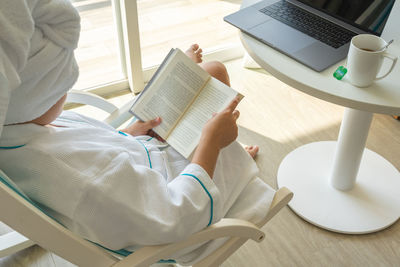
(195, 53)
(252, 150)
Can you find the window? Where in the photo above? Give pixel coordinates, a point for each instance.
(123, 41)
(166, 24)
(98, 50)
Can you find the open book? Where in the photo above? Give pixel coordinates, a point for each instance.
(185, 96)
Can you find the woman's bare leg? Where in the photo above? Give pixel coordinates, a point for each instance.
(214, 68)
(218, 71)
(195, 53)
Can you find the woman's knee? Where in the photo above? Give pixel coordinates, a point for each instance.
(217, 70)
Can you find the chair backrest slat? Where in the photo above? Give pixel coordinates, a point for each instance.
(28, 220)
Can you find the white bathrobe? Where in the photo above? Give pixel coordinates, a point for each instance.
(122, 191)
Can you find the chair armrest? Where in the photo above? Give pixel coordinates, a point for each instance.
(86, 98)
(121, 115)
(281, 199)
(117, 116)
(224, 228)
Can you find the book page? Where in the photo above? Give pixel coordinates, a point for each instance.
(214, 97)
(171, 92)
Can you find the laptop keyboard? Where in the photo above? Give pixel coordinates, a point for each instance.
(308, 23)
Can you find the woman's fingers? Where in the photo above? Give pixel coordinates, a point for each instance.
(153, 134)
(236, 114)
(147, 125)
(232, 106)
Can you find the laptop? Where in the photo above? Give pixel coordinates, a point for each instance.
(316, 33)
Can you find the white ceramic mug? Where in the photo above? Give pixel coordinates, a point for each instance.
(365, 59)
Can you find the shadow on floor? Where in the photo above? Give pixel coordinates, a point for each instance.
(273, 152)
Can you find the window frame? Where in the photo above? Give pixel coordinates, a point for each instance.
(126, 19)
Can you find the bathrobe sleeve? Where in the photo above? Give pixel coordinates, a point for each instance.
(129, 204)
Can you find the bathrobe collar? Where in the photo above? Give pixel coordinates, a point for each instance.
(14, 136)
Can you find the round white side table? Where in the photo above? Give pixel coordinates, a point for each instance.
(339, 186)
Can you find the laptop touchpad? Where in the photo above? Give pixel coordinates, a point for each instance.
(247, 18)
(282, 36)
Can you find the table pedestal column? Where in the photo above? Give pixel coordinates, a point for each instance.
(342, 186)
(350, 147)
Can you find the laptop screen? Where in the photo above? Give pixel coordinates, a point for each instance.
(369, 15)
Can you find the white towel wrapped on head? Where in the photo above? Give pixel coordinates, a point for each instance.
(37, 64)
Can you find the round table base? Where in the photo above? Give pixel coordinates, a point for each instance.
(372, 205)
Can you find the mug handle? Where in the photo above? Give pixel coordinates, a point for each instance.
(393, 59)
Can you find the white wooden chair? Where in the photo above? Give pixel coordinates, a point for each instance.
(35, 227)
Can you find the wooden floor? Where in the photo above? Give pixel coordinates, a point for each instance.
(279, 119)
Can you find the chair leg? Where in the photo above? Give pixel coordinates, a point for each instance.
(13, 242)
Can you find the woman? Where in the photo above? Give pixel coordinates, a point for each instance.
(123, 189)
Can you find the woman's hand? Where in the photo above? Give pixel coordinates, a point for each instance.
(221, 129)
(144, 128)
(218, 132)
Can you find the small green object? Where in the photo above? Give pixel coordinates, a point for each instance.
(340, 72)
